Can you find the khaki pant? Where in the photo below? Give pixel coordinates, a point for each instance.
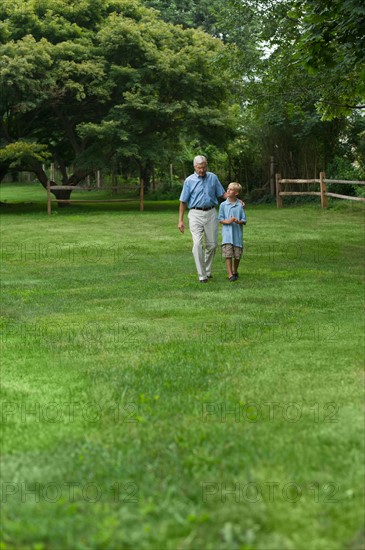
(203, 225)
(231, 251)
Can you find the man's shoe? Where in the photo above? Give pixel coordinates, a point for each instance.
(210, 276)
(236, 274)
(203, 280)
(233, 278)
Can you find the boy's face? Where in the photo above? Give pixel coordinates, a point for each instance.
(231, 192)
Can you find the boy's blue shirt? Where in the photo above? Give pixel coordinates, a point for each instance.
(232, 233)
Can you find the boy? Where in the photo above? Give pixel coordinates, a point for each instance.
(232, 217)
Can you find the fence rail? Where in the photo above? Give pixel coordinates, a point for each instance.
(323, 193)
(51, 199)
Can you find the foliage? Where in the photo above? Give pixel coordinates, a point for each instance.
(349, 161)
(95, 81)
(166, 191)
(22, 153)
(317, 49)
(189, 13)
(286, 110)
(331, 46)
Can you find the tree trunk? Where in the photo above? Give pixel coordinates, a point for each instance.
(3, 171)
(63, 195)
(145, 173)
(74, 179)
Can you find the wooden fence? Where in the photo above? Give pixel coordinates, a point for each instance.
(322, 193)
(51, 199)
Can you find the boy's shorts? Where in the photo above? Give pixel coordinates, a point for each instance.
(231, 251)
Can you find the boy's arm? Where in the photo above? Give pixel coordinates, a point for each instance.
(242, 218)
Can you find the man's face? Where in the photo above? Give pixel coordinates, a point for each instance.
(201, 169)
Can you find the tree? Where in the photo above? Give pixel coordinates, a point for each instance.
(331, 46)
(320, 45)
(287, 111)
(189, 13)
(89, 81)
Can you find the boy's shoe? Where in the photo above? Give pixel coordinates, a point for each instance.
(236, 275)
(233, 278)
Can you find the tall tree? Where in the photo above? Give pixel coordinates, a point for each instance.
(189, 13)
(331, 46)
(321, 45)
(84, 82)
(290, 95)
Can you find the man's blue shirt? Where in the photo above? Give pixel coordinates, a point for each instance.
(201, 192)
(232, 233)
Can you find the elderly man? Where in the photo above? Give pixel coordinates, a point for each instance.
(200, 194)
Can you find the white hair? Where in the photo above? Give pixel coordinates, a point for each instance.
(236, 186)
(199, 159)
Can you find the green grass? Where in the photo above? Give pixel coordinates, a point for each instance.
(134, 398)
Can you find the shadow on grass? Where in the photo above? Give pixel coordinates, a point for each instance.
(74, 208)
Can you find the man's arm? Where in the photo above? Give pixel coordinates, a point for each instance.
(182, 209)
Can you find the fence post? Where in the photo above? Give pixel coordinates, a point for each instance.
(49, 197)
(322, 180)
(279, 200)
(141, 194)
(272, 175)
(171, 174)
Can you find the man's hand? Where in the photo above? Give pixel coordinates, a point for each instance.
(182, 209)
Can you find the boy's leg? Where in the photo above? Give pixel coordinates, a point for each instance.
(237, 258)
(229, 267)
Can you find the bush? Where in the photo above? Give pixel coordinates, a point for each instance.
(342, 169)
(166, 191)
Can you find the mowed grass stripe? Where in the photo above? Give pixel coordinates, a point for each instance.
(134, 400)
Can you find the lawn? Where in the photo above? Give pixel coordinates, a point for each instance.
(142, 410)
